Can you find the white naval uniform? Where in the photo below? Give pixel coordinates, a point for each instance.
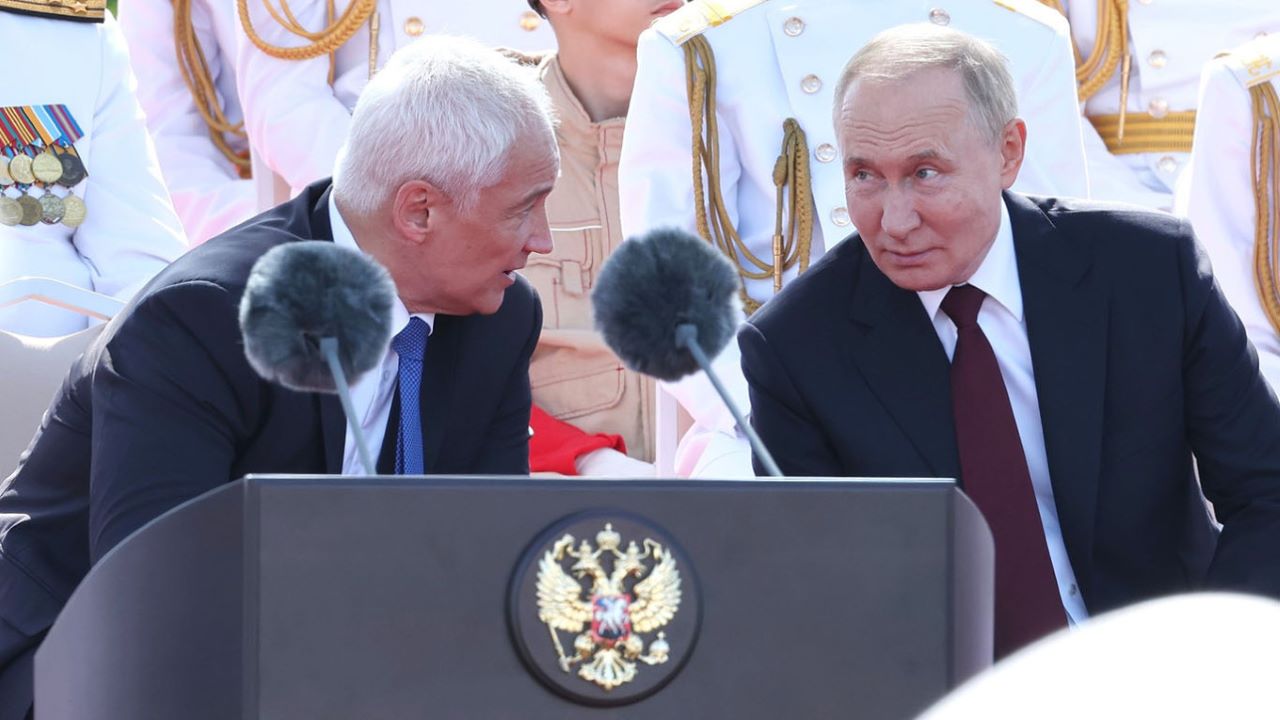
(1218, 193)
(207, 190)
(782, 59)
(1170, 41)
(131, 231)
(297, 122)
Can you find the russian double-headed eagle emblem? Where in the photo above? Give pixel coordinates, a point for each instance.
(608, 609)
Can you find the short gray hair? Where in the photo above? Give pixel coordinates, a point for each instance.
(446, 110)
(905, 50)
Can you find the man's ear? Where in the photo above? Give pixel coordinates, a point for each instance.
(1013, 148)
(416, 209)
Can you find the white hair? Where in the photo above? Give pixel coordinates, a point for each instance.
(446, 110)
(899, 52)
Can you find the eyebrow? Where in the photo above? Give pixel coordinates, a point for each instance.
(929, 154)
(529, 197)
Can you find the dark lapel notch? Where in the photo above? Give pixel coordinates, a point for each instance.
(1066, 318)
(897, 350)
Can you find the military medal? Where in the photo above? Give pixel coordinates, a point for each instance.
(20, 169)
(73, 211)
(5, 178)
(72, 169)
(46, 167)
(31, 210)
(51, 209)
(10, 211)
(57, 116)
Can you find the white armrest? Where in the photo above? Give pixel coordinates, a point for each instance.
(59, 294)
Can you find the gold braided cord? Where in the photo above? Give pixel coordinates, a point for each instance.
(792, 245)
(1265, 164)
(1146, 134)
(325, 42)
(199, 80)
(1110, 51)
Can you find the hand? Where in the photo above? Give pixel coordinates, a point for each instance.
(607, 462)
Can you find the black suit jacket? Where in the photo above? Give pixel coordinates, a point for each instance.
(164, 407)
(1139, 364)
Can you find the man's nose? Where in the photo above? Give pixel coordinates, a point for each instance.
(900, 216)
(540, 237)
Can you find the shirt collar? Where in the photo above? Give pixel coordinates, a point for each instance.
(997, 276)
(342, 237)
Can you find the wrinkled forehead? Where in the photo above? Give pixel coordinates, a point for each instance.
(914, 108)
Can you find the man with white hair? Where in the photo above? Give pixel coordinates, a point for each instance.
(1070, 364)
(165, 406)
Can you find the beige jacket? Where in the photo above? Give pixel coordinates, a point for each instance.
(575, 377)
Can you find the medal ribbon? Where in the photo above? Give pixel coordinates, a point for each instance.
(20, 125)
(8, 134)
(32, 116)
(66, 124)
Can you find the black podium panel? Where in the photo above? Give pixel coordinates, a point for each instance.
(286, 597)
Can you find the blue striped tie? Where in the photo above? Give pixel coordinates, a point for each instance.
(410, 344)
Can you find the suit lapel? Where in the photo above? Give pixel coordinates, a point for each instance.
(333, 422)
(438, 374)
(894, 346)
(1066, 317)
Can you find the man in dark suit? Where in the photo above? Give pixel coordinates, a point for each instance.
(164, 406)
(1066, 362)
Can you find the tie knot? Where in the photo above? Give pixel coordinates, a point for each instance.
(962, 304)
(411, 342)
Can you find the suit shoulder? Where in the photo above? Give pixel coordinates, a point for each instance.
(814, 293)
(92, 11)
(1122, 235)
(699, 16)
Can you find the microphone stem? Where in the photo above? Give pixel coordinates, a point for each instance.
(329, 346)
(757, 445)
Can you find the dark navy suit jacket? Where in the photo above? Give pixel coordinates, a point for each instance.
(1139, 364)
(164, 407)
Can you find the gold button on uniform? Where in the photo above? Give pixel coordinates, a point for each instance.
(793, 26)
(1167, 164)
(840, 216)
(414, 26)
(826, 152)
(811, 84)
(1157, 59)
(1158, 108)
(529, 21)
(938, 16)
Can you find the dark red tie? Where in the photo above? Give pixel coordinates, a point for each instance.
(993, 469)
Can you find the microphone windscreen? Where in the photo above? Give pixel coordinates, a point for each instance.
(302, 291)
(655, 282)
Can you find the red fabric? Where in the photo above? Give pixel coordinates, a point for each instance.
(556, 444)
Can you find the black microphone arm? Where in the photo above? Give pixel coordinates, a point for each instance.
(687, 338)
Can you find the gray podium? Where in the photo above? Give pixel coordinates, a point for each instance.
(450, 597)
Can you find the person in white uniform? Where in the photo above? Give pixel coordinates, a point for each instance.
(299, 81)
(1149, 53)
(1232, 189)
(193, 110)
(77, 163)
(772, 66)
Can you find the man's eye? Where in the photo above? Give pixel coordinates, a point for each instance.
(861, 175)
(926, 173)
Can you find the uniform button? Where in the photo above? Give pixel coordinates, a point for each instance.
(840, 216)
(938, 16)
(1158, 108)
(529, 21)
(793, 26)
(1157, 59)
(811, 84)
(413, 27)
(826, 152)
(1167, 164)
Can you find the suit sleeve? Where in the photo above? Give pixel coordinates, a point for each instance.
(170, 400)
(780, 415)
(1233, 420)
(506, 448)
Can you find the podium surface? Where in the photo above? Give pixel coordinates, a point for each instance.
(446, 597)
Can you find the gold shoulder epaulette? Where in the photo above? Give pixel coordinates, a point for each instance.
(1038, 10)
(694, 18)
(82, 10)
(1256, 61)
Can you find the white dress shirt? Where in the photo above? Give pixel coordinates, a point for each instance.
(1003, 323)
(372, 393)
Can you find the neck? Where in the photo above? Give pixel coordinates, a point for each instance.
(600, 73)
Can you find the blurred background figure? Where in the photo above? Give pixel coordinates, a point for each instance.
(1184, 656)
(185, 51)
(1138, 66)
(83, 200)
(768, 189)
(1231, 193)
(301, 64)
(593, 416)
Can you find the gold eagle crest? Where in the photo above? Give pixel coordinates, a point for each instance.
(639, 594)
